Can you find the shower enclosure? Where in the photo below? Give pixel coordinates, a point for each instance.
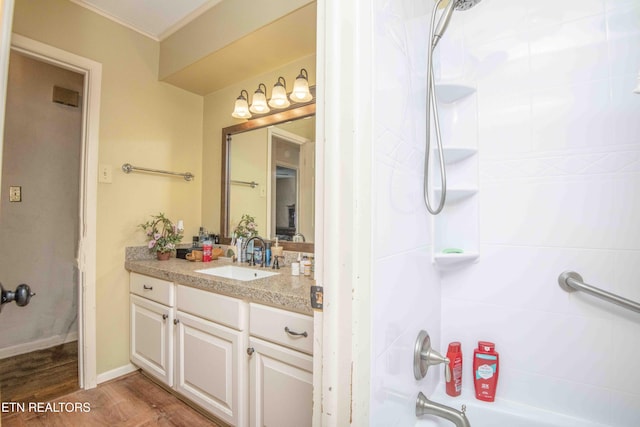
(555, 123)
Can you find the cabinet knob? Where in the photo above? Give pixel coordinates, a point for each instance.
(250, 351)
(147, 288)
(176, 321)
(164, 316)
(295, 334)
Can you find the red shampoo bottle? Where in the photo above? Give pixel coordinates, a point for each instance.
(454, 383)
(485, 371)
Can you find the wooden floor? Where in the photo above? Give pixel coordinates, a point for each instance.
(41, 375)
(132, 400)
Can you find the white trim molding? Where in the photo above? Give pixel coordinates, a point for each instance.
(40, 344)
(6, 22)
(116, 373)
(344, 115)
(92, 72)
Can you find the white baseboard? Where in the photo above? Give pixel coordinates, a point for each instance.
(38, 345)
(115, 373)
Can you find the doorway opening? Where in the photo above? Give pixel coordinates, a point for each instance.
(40, 227)
(86, 208)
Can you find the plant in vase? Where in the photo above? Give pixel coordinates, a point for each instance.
(162, 234)
(245, 229)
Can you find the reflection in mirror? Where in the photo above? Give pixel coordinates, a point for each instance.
(268, 173)
(292, 189)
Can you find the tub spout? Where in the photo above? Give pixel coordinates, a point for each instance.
(425, 406)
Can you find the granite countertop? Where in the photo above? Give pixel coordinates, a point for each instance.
(283, 291)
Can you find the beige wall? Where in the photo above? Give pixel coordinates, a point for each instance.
(217, 115)
(143, 122)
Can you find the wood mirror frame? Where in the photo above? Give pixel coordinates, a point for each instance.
(293, 113)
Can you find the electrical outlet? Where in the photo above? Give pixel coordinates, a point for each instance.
(105, 174)
(15, 194)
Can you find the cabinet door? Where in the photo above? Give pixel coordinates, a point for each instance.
(280, 386)
(212, 367)
(152, 338)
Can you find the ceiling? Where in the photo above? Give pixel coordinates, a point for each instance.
(154, 18)
(291, 37)
(285, 40)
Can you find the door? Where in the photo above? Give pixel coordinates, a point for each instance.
(152, 338)
(209, 367)
(280, 386)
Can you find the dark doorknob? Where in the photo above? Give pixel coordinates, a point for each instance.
(22, 295)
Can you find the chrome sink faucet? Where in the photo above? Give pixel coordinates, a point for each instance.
(425, 406)
(250, 258)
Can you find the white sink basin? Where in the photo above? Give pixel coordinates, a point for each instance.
(237, 273)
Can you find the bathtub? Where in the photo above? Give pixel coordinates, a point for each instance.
(501, 414)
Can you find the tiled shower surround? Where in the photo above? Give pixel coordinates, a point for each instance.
(557, 129)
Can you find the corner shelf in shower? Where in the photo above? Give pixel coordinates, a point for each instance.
(451, 260)
(457, 226)
(456, 154)
(448, 93)
(455, 195)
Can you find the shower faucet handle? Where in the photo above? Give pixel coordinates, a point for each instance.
(424, 356)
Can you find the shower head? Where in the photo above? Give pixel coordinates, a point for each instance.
(466, 4)
(446, 16)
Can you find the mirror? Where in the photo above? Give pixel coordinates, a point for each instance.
(268, 173)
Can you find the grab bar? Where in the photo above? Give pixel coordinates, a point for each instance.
(128, 168)
(571, 281)
(251, 184)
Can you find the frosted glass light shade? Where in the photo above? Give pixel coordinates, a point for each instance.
(637, 89)
(301, 88)
(241, 110)
(259, 104)
(279, 95)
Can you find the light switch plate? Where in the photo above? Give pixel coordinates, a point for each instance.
(105, 174)
(15, 194)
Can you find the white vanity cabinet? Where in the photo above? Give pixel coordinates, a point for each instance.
(152, 303)
(281, 368)
(245, 363)
(211, 361)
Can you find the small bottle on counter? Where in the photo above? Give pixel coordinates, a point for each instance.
(306, 266)
(207, 247)
(257, 255)
(267, 255)
(239, 254)
(295, 268)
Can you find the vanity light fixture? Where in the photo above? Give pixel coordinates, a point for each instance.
(259, 103)
(279, 94)
(637, 89)
(241, 110)
(301, 88)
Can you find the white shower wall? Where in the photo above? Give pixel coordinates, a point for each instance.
(405, 286)
(558, 132)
